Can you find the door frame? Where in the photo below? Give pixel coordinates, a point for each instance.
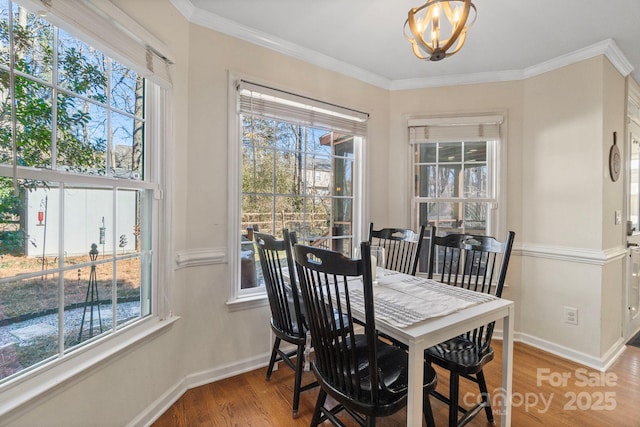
(631, 291)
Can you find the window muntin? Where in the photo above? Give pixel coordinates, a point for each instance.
(51, 219)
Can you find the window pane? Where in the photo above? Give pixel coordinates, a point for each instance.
(319, 209)
(288, 177)
(426, 181)
(82, 69)
(4, 32)
(6, 145)
(475, 181)
(449, 180)
(82, 137)
(447, 216)
(129, 290)
(13, 236)
(450, 152)
(475, 152)
(33, 123)
(257, 171)
(33, 44)
(92, 297)
(318, 176)
(319, 142)
(127, 89)
(426, 153)
(475, 218)
(30, 313)
(290, 137)
(257, 210)
(344, 145)
(343, 177)
(128, 146)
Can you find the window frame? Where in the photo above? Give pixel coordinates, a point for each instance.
(496, 165)
(40, 378)
(241, 299)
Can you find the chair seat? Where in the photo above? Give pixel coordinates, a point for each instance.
(460, 355)
(392, 365)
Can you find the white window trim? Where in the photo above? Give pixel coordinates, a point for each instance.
(257, 297)
(498, 215)
(40, 379)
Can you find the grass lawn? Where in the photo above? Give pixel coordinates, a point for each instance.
(22, 297)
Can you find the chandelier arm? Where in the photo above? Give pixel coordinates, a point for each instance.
(460, 27)
(463, 37)
(417, 52)
(418, 39)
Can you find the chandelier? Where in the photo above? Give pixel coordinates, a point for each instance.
(438, 28)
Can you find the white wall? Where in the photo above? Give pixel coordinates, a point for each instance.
(570, 115)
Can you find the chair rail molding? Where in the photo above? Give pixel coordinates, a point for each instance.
(202, 256)
(570, 254)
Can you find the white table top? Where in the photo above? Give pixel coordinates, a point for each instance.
(421, 313)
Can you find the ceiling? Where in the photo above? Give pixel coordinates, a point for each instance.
(364, 38)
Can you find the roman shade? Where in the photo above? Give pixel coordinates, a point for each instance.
(264, 101)
(454, 129)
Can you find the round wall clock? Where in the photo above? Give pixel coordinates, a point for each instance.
(615, 161)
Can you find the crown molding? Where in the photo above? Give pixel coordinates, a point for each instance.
(608, 48)
(457, 79)
(209, 20)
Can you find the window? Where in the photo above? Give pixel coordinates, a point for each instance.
(300, 160)
(79, 180)
(456, 169)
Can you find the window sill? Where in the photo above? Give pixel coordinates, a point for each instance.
(41, 380)
(248, 302)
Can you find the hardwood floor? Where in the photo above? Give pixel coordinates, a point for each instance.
(548, 391)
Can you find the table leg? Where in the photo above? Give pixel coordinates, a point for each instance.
(416, 374)
(507, 367)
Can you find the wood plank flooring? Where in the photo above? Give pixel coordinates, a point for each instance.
(548, 391)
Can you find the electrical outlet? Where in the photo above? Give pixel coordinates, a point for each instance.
(618, 219)
(570, 315)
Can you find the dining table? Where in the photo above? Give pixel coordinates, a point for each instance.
(421, 312)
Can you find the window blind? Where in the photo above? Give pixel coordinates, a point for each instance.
(478, 128)
(256, 99)
(92, 22)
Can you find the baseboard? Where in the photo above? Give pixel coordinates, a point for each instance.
(164, 402)
(600, 364)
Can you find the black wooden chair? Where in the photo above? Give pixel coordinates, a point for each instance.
(367, 378)
(402, 247)
(287, 318)
(478, 263)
